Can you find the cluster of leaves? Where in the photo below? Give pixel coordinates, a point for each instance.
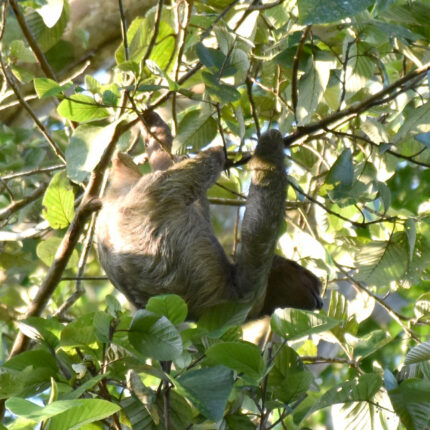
(338, 78)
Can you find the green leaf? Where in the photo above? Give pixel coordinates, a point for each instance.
(64, 414)
(47, 249)
(342, 171)
(370, 343)
(81, 108)
(217, 319)
(46, 87)
(411, 401)
(361, 389)
(295, 323)
(80, 333)
(208, 389)
(384, 194)
(154, 336)
(109, 98)
(324, 11)
(47, 330)
(171, 306)
(12, 382)
(288, 379)
(416, 121)
(215, 60)
(50, 11)
(27, 374)
(139, 35)
(312, 86)
(58, 202)
(196, 130)
(86, 147)
(381, 262)
(244, 357)
(418, 353)
(47, 36)
(102, 326)
(18, 50)
(222, 93)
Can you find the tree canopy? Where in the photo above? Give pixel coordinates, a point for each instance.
(347, 84)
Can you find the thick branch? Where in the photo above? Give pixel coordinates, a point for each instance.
(89, 204)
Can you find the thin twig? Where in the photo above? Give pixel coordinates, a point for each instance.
(153, 40)
(31, 97)
(253, 108)
(401, 319)
(6, 212)
(356, 108)
(218, 18)
(32, 172)
(355, 223)
(344, 70)
(30, 233)
(10, 80)
(295, 70)
(409, 158)
(266, 5)
(123, 29)
(180, 46)
(226, 202)
(319, 360)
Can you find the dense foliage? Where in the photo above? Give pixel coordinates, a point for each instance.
(346, 82)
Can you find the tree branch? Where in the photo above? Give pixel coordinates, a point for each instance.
(89, 204)
(356, 108)
(6, 212)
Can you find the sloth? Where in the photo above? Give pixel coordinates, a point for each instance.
(154, 234)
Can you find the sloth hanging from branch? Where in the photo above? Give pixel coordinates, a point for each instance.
(154, 234)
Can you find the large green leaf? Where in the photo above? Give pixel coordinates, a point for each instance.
(27, 373)
(243, 357)
(208, 389)
(218, 318)
(361, 389)
(64, 414)
(411, 401)
(171, 306)
(86, 147)
(81, 108)
(215, 60)
(381, 262)
(154, 336)
(417, 121)
(288, 378)
(342, 171)
(196, 130)
(48, 29)
(47, 330)
(418, 353)
(80, 332)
